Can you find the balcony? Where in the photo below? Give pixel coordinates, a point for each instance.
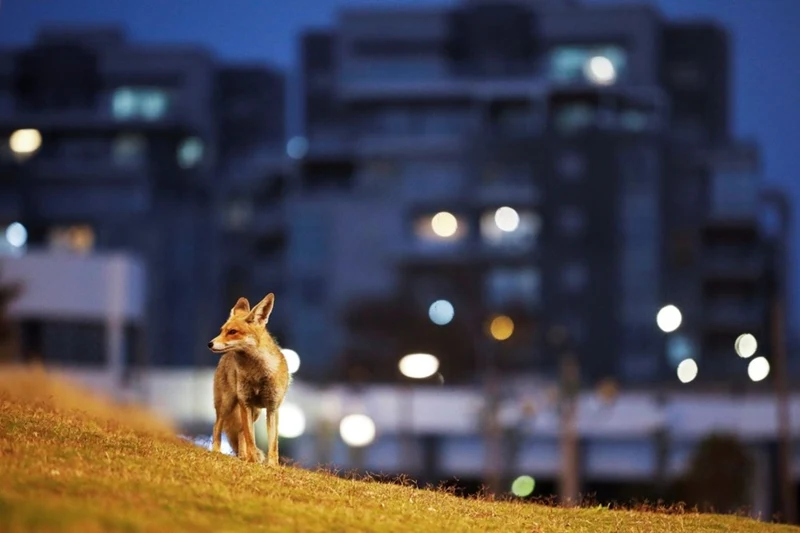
(103, 169)
(734, 317)
(451, 143)
(733, 267)
(502, 192)
(64, 286)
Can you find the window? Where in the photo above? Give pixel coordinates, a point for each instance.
(523, 234)
(570, 166)
(574, 117)
(79, 238)
(238, 214)
(431, 178)
(571, 64)
(571, 220)
(574, 277)
(142, 103)
(190, 152)
(379, 173)
(634, 120)
(81, 344)
(129, 150)
(508, 286)
(507, 172)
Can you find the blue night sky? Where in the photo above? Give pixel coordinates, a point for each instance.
(766, 77)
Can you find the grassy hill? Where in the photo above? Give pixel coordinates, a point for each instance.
(70, 462)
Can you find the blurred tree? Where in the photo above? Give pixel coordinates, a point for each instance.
(719, 477)
(8, 292)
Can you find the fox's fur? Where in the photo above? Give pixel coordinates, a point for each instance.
(251, 375)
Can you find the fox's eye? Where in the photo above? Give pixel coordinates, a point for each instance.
(232, 332)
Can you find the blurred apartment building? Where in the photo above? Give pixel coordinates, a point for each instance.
(606, 131)
(123, 166)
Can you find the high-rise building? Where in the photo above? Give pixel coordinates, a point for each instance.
(566, 166)
(109, 145)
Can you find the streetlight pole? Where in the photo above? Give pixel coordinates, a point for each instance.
(492, 431)
(778, 335)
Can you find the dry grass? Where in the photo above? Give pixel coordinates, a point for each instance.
(69, 462)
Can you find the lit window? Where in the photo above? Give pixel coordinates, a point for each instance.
(508, 286)
(124, 104)
(139, 103)
(190, 152)
(78, 238)
(570, 166)
(153, 105)
(129, 149)
(525, 230)
(570, 64)
(574, 117)
(441, 227)
(571, 220)
(574, 277)
(634, 120)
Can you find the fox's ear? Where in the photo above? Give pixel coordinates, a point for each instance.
(242, 307)
(260, 313)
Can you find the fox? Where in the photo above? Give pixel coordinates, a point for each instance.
(251, 375)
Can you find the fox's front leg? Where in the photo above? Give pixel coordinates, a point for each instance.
(248, 432)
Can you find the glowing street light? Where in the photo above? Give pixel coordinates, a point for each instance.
(25, 142)
(441, 312)
(291, 421)
(501, 327)
(687, 370)
(600, 70)
(506, 219)
(523, 486)
(16, 235)
(357, 430)
(745, 345)
(292, 359)
(418, 365)
(444, 224)
(758, 369)
(669, 318)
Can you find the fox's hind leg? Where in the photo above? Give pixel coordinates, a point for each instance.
(216, 442)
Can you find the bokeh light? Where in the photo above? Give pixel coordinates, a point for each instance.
(507, 219)
(25, 142)
(501, 327)
(297, 147)
(357, 430)
(291, 421)
(419, 365)
(16, 235)
(441, 312)
(745, 345)
(600, 70)
(758, 369)
(523, 486)
(687, 370)
(444, 224)
(669, 318)
(292, 359)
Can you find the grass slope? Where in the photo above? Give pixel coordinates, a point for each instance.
(70, 462)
